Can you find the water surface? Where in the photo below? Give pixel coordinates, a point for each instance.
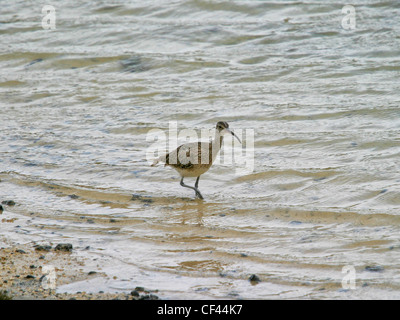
(77, 104)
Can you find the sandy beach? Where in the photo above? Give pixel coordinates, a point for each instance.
(26, 272)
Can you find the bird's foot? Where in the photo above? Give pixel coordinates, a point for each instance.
(198, 195)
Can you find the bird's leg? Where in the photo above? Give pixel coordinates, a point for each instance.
(198, 194)
(196, 185)
(186, 186)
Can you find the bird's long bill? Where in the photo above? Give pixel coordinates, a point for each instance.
(232, 133)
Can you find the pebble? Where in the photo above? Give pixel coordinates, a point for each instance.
(42, 248)
(254, 278)
(136, 197)
(135, 293)
(374, 268)
(141, 198)
(146, 296)
(149, 297)
(63, 247)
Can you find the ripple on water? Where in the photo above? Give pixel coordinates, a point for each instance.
(79, 101)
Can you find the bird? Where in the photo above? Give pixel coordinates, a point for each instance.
(195, 158)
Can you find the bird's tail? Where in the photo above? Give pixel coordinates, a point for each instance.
(162, 158)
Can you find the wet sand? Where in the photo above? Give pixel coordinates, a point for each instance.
(23, 275)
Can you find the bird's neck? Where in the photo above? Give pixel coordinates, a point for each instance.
(217, 142)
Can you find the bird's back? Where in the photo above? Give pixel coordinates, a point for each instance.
(192, 159)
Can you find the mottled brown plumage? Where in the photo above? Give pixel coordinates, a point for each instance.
(194, 159)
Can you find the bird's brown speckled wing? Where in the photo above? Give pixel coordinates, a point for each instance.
(185, 156)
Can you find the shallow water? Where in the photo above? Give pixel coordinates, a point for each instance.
(78, 102)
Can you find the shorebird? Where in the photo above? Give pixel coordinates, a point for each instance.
(195, 158)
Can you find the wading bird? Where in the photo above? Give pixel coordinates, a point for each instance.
(195, 158)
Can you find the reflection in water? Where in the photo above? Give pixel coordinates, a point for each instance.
(193, 214)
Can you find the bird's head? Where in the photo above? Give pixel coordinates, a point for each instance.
(223, 128)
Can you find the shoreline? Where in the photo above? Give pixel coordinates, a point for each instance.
(33, 272)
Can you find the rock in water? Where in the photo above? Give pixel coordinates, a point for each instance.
(254, 278)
